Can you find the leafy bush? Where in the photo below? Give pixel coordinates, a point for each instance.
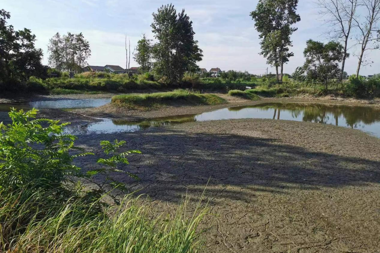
(362, 88)
(35, 85)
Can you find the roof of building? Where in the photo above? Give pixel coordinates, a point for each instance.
(215, 69)
(203, 69)
(134, 68)
(115, 67)
(96, 68)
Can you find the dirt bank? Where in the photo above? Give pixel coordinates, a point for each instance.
(115, 112)
(274, 186)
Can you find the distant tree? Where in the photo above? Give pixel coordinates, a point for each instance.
(19, 59)
(176, 51)
(369, 29)
(322, 61)
(143, 54)
(340, 15)
(299, 74)
(274, 20)
(69, 52)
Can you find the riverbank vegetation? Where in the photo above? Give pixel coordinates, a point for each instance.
(46, 206)
(177, 97)
(248, 94)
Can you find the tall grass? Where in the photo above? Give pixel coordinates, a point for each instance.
(30, 225)
(176, 97)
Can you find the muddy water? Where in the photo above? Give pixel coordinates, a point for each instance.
(363, 118)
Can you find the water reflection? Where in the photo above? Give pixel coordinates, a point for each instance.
(364, 118)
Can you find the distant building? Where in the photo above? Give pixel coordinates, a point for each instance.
(370, 76)
(114, 69)
(215, 72)
(203, 71)
(94, 69)
(133, 70)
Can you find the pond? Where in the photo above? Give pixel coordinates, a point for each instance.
(58, 104)
(366, 119)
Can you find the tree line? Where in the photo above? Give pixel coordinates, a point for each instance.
(176, 52)
(348, 20)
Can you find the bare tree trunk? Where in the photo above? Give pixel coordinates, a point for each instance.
(367, 28)
(344, 59)
(277, 74)
(282, 72)
(360, 63)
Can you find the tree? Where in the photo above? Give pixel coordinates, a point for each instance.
(19, 59)
(176, 50)
(274, 20)
(322, 61)
(369, 29)
(68, 52)
(143, 54)
(340, 18)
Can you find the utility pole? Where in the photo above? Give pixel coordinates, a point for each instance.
(126, 54)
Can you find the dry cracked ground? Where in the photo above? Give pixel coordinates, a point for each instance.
(272, 186)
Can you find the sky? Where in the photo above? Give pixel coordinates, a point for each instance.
(224, 29)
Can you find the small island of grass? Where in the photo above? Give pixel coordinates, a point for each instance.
(175, 98)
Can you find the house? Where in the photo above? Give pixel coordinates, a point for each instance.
(133, 70)
(215, 72)
(94, 69)
(203, 71)
(114, 69)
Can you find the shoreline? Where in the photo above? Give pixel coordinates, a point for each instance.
(114, 112)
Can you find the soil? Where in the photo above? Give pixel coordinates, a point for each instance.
(272, 186)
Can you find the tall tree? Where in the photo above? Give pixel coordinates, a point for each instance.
(322, 61)
(274, 20)
(19, 59)
(143, 55)
(340, 15)
(369, 29)
(68, 52)
(176, 50)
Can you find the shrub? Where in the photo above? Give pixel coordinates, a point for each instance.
(362, 88)
(35, 85)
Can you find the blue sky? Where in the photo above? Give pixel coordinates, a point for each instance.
(224, 29)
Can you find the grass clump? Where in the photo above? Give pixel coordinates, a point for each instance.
(45, 208)
(244, 94)
(174, 98)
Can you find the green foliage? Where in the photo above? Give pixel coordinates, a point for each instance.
(244, 94)
(69, 52)
(362, 88)
(37, 153)
(274, 20)
(176, 51)
(19, 59)
(143, 54)
(166, 98)
(322, 61)
(34, 154)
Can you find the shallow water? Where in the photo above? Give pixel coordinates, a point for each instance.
(58, 104)
(363, 118)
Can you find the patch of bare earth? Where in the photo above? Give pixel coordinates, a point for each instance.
(273, 186)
